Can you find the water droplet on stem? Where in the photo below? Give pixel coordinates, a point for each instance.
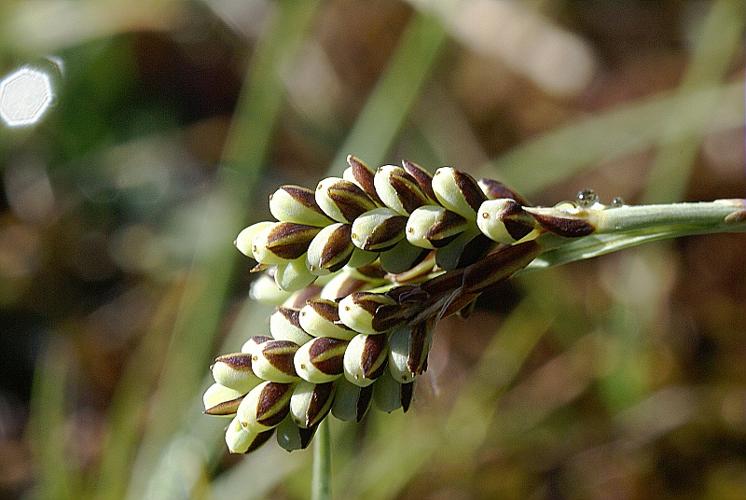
(586, 198)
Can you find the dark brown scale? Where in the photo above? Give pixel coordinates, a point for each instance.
(338, 247)
(422, 176)
(330, 366)
(496, 190)
(364, 177)
(259, 440)
(260, 339)
(291, 315)
(443, 241)
(444, 283)
(367, 301)
(418, 341)
(350, 199)
(450, 221)
(406, 392)
(306, 435)
(408, 191)
(385, 233)
(280, 354)
(289, 240)
(237, 361)
(374, 356)
(517, 230)
(304, 196)
(498, 266)
(363, 402)
(469, 188)
(372, 270)
(319, 398)
(327, 309)
(404, 294)
(388, 316)
(272, 394)
(570, 227)
(225, 408)
(517, 222)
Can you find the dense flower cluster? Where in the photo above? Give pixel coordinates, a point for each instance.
(361, 269)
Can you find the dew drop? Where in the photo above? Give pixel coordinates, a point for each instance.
(586, 198)
(617, 202)
(485, 215)
(25, 96)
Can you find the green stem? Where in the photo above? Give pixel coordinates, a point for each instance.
(671, 216)
(322, 463)
(709, 214)
(628, 226)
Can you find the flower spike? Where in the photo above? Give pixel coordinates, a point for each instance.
(362, 268)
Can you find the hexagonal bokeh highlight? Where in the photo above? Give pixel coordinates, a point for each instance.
(25, 95)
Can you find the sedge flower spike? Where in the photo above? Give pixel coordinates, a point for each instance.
(362, 267)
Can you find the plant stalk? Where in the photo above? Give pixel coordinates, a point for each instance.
(321, 484)
(628, 226)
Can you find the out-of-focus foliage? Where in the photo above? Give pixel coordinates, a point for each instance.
(621, 377)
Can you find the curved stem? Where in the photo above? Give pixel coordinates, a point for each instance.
(321, 487)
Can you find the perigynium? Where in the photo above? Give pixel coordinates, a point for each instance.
(362, 268)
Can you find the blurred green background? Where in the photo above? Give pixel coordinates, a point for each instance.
(618, 378)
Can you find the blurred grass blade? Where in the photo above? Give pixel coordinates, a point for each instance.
(127, 405)
(718, 43)
(560, 154)
(387, 108)
(58, 476)
(266, 467)
(210, 276)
